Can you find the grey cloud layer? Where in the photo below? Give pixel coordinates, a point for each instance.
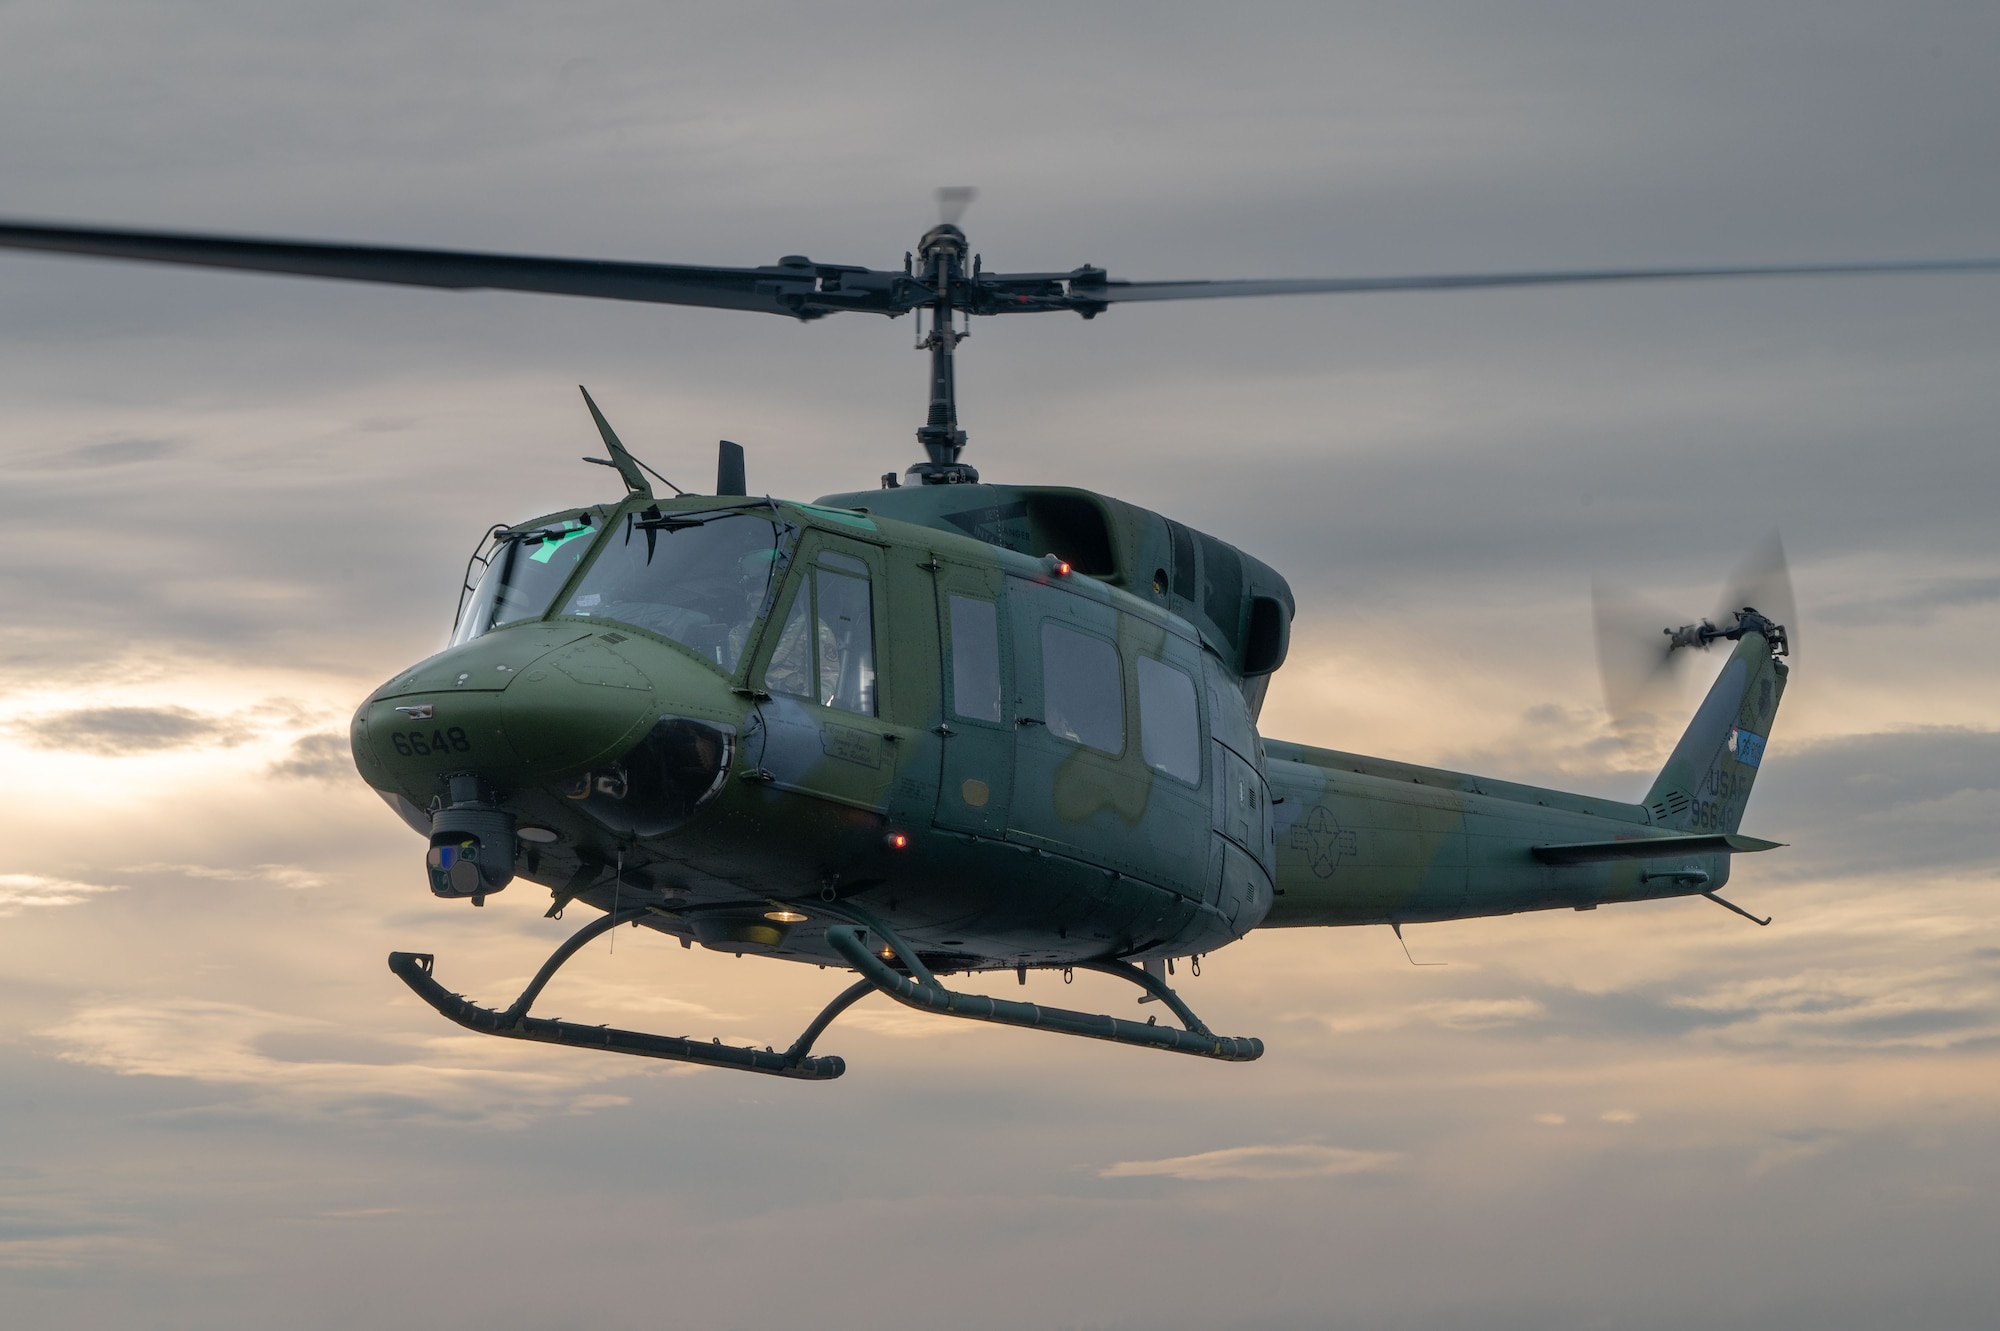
(217, 1111)
(121, 730)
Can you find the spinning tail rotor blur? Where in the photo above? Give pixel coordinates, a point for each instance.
(1643, 649)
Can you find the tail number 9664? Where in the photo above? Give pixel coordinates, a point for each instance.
(418, 744)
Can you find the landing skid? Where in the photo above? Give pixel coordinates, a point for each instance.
(414, 969)
(919, 989)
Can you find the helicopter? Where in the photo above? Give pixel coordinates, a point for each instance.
(944, 727)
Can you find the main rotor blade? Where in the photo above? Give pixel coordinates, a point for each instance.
(805, 290)
(952, 201)
(798, 287)
(1111, 292)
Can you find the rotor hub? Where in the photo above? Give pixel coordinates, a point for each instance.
(943, 473)
(943, 238)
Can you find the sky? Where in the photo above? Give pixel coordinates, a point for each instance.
(235, 504)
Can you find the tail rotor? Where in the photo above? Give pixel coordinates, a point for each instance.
(1762, 586)
(1642, 655)
(1638, 666)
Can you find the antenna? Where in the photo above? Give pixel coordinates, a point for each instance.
(621, 460)
(729, 478)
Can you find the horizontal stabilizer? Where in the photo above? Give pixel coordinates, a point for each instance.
(1652, 848)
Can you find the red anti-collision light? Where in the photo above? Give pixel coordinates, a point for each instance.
(897, 840)
(1057, 565)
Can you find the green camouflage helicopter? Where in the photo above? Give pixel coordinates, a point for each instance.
(948, 727)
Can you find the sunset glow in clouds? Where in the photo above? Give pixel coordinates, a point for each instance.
(234, 505)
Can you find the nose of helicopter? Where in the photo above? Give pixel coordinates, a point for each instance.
(560, 711)
(510, 706)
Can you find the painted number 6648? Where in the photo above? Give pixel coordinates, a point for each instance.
(416, 744)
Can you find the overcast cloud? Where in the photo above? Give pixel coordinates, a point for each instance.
(234, 504)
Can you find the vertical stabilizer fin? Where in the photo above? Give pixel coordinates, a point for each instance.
(1706, 782)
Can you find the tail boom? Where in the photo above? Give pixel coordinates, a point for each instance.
(1370, 841)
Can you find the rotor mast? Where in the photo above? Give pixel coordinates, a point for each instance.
(942, 253)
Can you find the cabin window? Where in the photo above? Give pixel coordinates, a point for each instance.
(975, 659)
(1169, 728)
(1082, 690)
(834, 663)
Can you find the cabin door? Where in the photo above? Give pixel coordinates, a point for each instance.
(1108, 751)
(826, 731)
(976, 785)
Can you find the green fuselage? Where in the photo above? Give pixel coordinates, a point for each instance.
(759, 718)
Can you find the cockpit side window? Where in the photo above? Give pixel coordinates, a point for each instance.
(833, 662)
(698, 579)
(522, 577)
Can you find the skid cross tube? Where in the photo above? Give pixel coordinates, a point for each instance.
(1156, 988)
(921, 990)
(414, 969)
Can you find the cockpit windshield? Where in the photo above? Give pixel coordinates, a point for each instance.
(700, 579)
(523, 576)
